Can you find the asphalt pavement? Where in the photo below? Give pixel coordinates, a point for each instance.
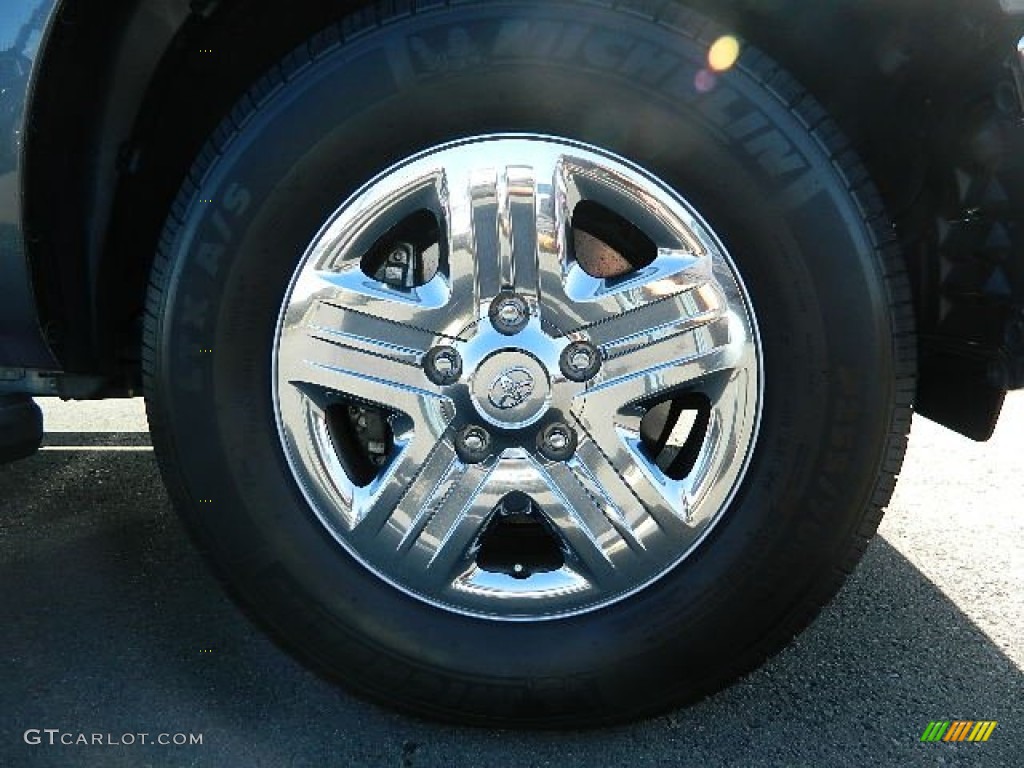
(112, 626)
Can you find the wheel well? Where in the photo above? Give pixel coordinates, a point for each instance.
(931, 94)
(105, 158)
(923, 89)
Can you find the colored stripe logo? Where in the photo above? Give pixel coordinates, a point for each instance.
(959, 730)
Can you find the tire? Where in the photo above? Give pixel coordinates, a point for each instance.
(809, 290)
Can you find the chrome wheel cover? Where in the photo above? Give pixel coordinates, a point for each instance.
(617, 519)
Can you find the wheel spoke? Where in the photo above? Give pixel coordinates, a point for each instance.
(637, 329)
(594, 527)
(344, 363)
(387, 507)
(469, 201)
(425, 306)
(556, 197)
(424, 521)
(491, 218)
(649, 502)
(597, 300)
(518, 195)
(682, 355)
(375, 334)
(437, 547)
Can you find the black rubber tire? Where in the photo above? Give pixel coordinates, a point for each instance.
(21, 427)
(754, 154)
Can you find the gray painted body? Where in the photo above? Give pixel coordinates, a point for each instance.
(23, 26)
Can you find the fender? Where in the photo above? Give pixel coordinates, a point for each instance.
(86, 195)
(24, 26)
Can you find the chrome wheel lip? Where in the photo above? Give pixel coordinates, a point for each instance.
(492, 590)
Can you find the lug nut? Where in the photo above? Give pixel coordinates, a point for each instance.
(443, 365)
(509, 314)
(473, 444)
(580, 361)
(557, 442)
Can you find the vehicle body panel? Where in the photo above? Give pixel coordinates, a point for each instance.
(121, 96)
(23, 25)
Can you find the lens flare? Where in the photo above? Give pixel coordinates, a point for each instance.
(705, 81)
(723, 53)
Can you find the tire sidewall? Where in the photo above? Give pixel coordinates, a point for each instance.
(738, 154)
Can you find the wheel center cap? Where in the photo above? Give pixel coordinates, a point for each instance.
(511, 388)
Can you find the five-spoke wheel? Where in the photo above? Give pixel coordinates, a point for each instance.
(518, 362)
